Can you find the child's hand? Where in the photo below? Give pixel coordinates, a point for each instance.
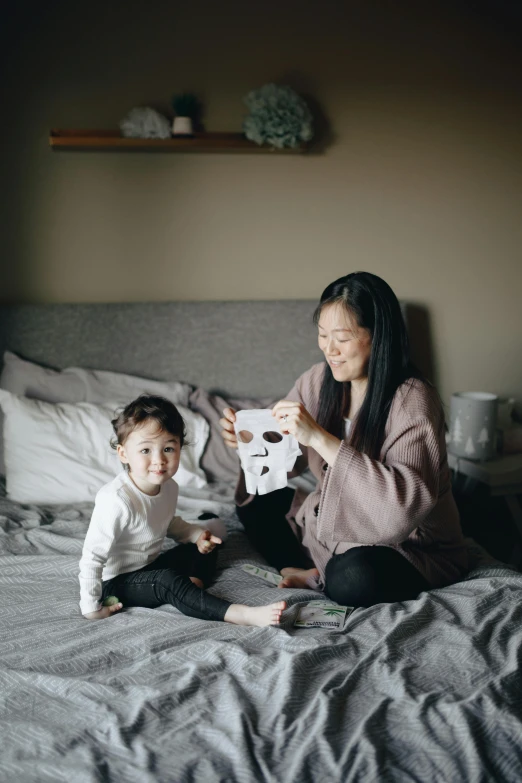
(105, 611)
(207, 542)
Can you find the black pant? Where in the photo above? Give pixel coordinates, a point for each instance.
(368, 575)
(166, 581)
(362, 576)
(269, 532)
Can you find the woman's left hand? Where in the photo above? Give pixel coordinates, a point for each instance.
(294, 419)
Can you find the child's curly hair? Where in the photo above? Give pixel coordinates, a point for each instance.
(145, 408)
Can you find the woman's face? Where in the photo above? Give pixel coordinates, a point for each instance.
(346, 346)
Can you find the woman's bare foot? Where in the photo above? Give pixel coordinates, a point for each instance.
(255, 615)
(197, 581)
(297, 577)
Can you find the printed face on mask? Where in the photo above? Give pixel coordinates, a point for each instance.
(266, 454)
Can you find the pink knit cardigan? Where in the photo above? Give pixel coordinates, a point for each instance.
(402, 500)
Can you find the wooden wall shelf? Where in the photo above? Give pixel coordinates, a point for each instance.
(112, 140)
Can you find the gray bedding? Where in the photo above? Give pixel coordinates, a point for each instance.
(428, 690)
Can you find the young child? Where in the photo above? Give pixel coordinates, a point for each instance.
(133, 514)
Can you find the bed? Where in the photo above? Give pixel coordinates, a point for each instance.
(426, 690)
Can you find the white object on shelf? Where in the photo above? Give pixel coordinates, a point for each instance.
(473, 425)
(182, 126)
(142, 122)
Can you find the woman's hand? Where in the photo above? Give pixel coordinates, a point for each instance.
(227, 423)
(294, 419)
(105, 611)
(207, 542)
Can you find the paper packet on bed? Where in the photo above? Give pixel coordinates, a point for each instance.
(319, 614)
(262, 573)
(266, 455)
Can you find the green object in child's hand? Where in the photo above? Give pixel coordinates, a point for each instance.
(111, 600)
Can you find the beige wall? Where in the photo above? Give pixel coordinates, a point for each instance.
(421, 184)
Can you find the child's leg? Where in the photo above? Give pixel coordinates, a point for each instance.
(202, 566)
(166, 581)
(187, 559)
(150, 587)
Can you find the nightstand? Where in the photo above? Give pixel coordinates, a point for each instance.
(502, 476)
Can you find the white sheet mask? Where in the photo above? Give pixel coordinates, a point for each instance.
(266, 454)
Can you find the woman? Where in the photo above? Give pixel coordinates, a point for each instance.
(382, 525)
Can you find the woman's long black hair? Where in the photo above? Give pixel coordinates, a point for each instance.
(374, 306)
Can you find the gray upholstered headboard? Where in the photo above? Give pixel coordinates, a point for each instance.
(254, 348)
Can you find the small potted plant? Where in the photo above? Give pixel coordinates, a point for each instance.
(186, 108)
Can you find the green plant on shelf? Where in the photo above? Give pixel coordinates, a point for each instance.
(186, 105)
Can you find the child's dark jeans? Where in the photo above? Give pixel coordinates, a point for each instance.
(166, 581)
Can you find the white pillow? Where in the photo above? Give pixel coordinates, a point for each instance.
(74, 384)
(61, 453)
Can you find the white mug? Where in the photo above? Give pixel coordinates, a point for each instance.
(473, 424)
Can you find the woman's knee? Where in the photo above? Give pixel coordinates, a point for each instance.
(365, 576)
(351, 579)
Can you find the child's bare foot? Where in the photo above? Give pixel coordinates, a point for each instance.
(255, 615)
(297, 577)
(197, 581)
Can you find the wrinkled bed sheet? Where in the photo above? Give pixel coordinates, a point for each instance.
(427, 690)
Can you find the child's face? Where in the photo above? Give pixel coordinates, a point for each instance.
(152, 455)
